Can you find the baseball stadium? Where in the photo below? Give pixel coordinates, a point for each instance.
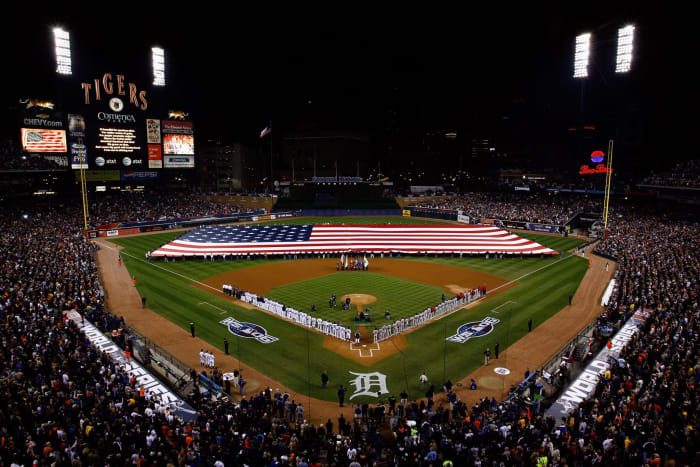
(300, 266)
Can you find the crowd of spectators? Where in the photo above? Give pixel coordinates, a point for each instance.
(13, 158)
(685, 174)
(66, 403)
(543, 208)
(156, 206)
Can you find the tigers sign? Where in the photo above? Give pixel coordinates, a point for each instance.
(110, 86)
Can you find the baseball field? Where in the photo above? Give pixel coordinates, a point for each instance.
(519, 289)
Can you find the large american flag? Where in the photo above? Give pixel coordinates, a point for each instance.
(283, 239)
(37, 140)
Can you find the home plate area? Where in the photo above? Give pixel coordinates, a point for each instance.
(364, 349)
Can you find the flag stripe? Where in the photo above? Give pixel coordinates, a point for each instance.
(36, 140)
(282, 239)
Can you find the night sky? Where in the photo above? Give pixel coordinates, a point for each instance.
(499, 70)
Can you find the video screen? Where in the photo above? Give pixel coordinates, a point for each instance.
(117, 140)
(38, 140)
(178, 144)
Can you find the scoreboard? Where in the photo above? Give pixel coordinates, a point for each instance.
(124, 133)
(109, 124)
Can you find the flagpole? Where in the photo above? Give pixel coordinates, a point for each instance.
(271, 172)
(608, 183)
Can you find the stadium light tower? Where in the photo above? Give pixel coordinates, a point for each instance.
(158, 66)
(582, 53)
(625, 43)
(63, 54)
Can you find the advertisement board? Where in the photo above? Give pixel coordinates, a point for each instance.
(43, 119)
(76, 138)
(40, 140)
(178, 128)
(99, 175)
(178, 144)
(139, 175)
(462, 218)
(155, 156)
(142, 377)
(585, 384)
(542, 227)
(513, 225)
(152, 131)
(178, 161)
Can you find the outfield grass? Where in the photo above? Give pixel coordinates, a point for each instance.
(544, 286)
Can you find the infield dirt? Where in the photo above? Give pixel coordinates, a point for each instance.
(261, 279)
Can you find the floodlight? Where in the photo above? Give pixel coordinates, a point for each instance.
(582, 52)
(63, 56)
(625, 42)
(158, 66)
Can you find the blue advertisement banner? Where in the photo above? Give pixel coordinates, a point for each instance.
(76, 142)
(542, 228)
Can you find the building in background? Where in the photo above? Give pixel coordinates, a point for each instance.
(221, 168)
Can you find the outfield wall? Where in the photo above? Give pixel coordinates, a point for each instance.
(459, 216)
(348, 212)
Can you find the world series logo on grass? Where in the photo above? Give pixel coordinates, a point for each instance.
(474, 329)
(248, 330)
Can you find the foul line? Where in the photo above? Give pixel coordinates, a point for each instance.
(214, 306)
(162, 268)
(503, 285)
(536, 270)
(503, 304)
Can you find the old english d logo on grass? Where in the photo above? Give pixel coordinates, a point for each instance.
(248, 330)
(474, 329)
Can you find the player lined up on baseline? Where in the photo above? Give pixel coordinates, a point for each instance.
(325, 327)
(403, 324)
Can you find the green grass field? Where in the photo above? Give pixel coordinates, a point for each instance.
(543, 289)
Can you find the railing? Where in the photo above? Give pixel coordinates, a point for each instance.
(552, 365)
(146, 350)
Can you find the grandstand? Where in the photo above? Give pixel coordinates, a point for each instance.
(555, 332)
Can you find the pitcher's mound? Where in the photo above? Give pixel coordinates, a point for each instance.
(359, 299)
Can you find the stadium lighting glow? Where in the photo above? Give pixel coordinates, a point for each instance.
(158, 66)
(582, 52)
(625, 42)
(63, 56)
